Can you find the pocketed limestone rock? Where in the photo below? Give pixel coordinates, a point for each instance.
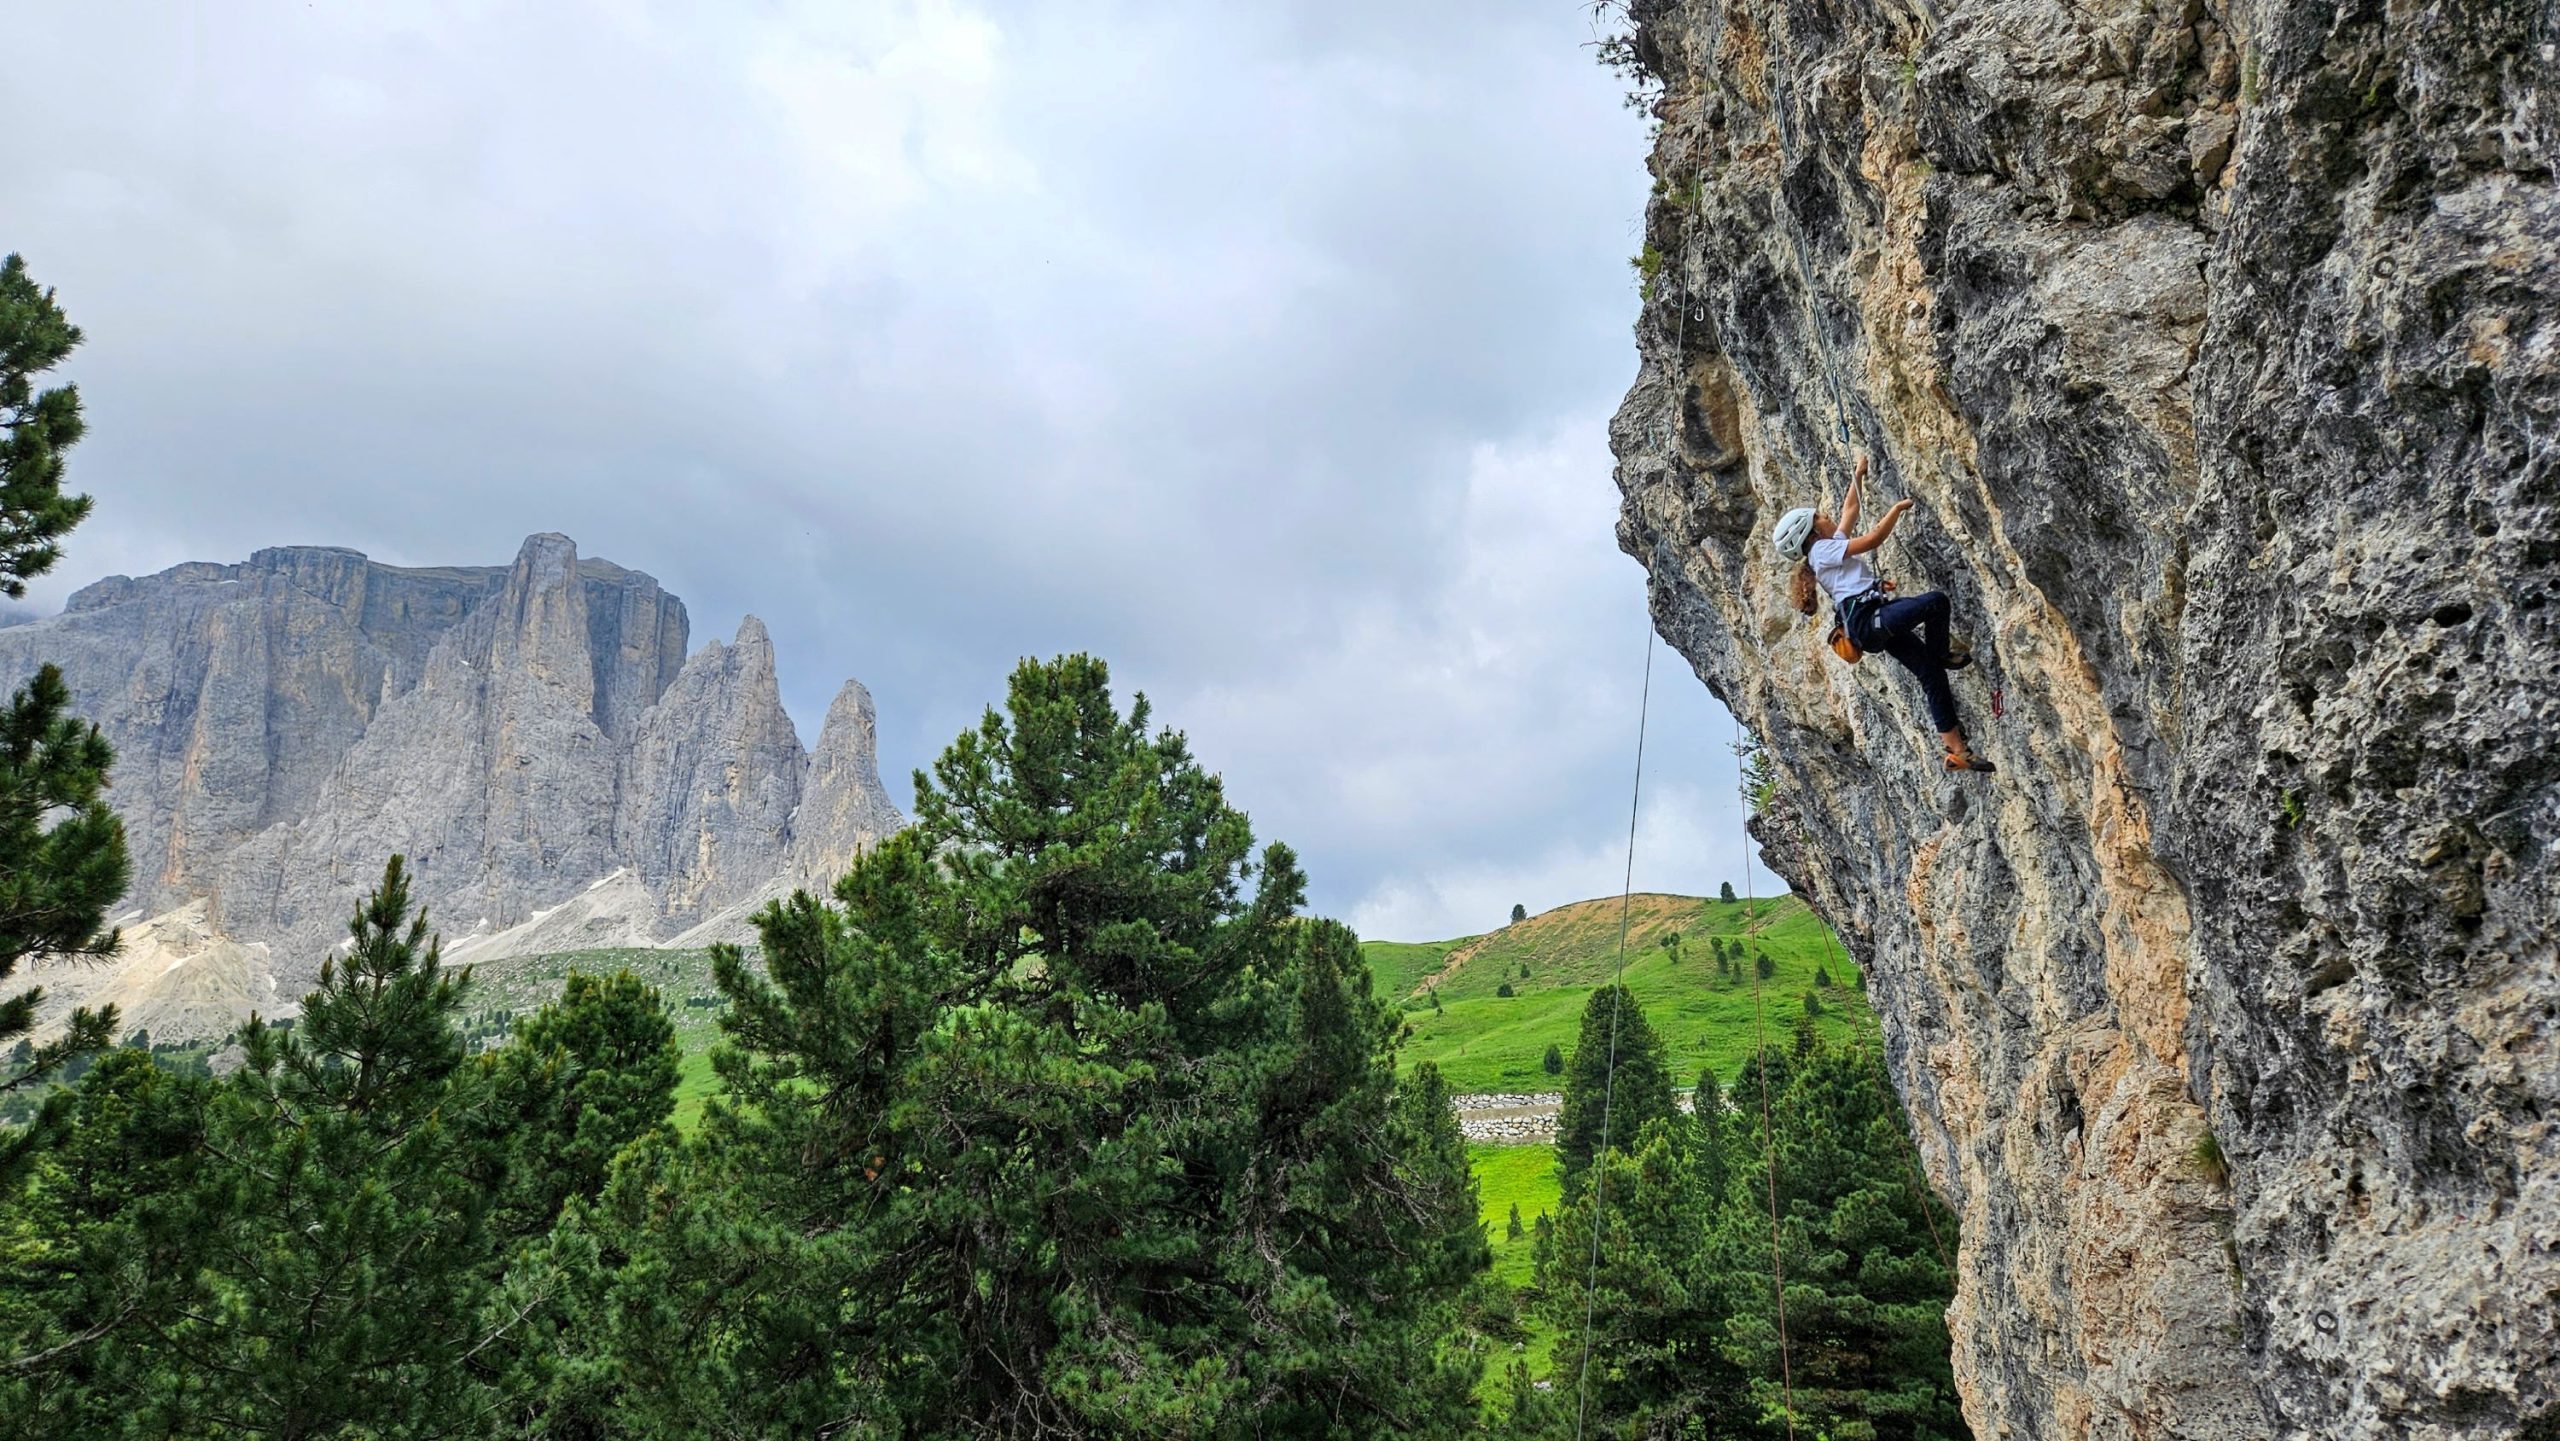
(2221, 350)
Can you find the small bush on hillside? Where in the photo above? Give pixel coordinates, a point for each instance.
(1555, 1059)
(1503, 990)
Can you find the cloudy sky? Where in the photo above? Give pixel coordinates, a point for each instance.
(1262, 348)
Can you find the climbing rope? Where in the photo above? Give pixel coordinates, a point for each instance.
(1609, 1077)
(1768, 1133)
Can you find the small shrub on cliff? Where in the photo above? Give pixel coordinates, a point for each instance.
(2210, 1163)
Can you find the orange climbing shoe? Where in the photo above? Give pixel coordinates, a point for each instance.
(1968, 761)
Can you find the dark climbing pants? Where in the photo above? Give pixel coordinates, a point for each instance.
(1914, 632)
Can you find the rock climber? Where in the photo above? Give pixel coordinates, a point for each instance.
(1913, 630)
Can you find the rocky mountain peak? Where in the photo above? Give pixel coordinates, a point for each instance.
(538, 621)
(521, 733)
(843, 807)
(713, 777)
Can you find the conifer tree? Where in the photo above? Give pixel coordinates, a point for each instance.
(355, 1243)
(1656, 1304)
(1866, 1286)
(1050, 1124)
(62, 855)
(39, 426)
(103, 1242)
(1612, 1022)
(1515, 1228)
(318, 1244)
(577, 1081)
(1715, 1136)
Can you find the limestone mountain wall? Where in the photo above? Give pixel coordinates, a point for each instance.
(530, 736)
(2220, 345)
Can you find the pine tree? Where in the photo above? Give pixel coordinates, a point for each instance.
(1553, 1062)
(1763, 965)
(1048, 1124)
(39, 425)
(1866, 1286)
(1656, 1302)
(103, 1243)
(64, 850)
(1612, 1021)
(355, 1248)
(1515, 1228)
(1715, 1136)
(1519, 913)
(576, 1083)
(62, 854)
(1724, 892)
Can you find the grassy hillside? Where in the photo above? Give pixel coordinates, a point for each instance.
(1485, 1041)
(1398, 968)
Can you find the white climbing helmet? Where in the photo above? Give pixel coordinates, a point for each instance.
(1795, 532)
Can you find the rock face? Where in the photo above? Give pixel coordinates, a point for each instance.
(842, 807)
(2221, 350)
(713, 779)
(530, 736)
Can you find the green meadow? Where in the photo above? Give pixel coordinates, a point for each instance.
(1483, 1040)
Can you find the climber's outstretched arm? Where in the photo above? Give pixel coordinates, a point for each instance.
(1849, 503)
(1884, 527)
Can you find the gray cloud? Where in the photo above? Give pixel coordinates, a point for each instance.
(1262, 349)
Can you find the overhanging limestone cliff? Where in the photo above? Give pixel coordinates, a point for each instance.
(2221, 348)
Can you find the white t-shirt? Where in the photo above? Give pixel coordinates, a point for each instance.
(1841, 574)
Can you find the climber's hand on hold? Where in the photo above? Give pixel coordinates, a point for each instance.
(1884, 527)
